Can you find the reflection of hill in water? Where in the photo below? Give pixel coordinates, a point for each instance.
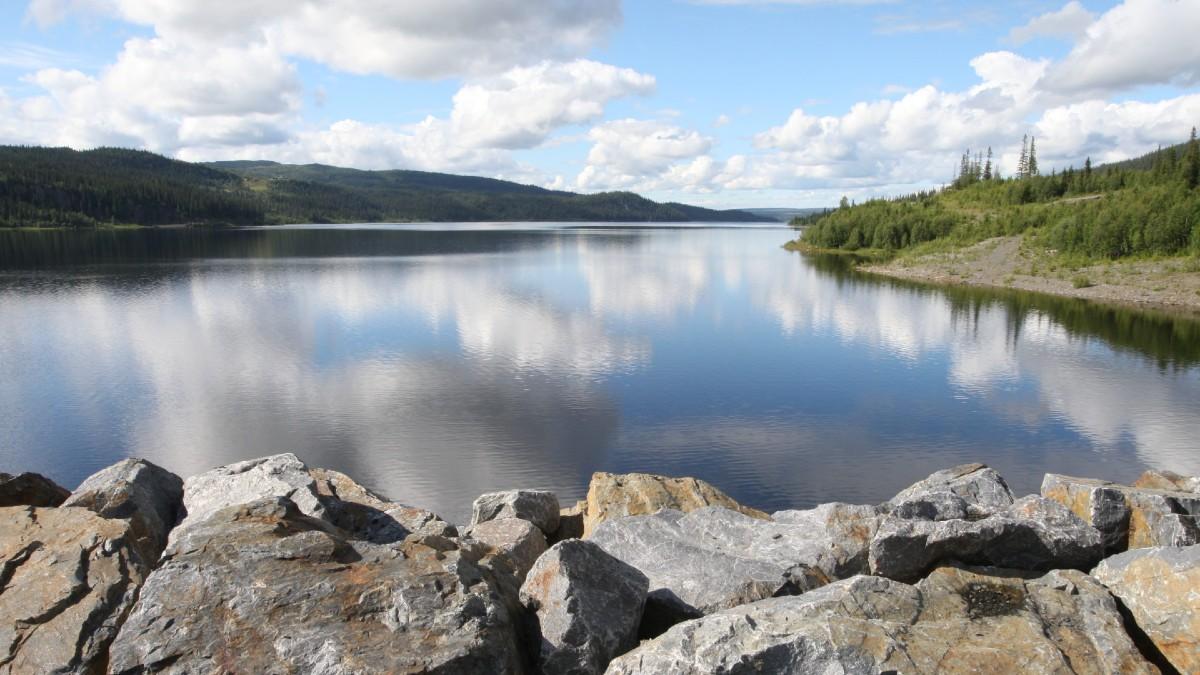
(1170, 340)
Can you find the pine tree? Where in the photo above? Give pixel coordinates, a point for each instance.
(1023, 162)
(987, 168)
(1031, 165)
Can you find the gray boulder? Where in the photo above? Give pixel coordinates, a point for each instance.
(955, 621)
(249, 481)
(1032, 534)
(714, 558)
(262, 587)
(30, 489)
(966, 491)
(587, 607)
(364, 515)
(1161, 589)
(148, 496)
(1129, 517)
(520, 540)
(539, 507)
(69, 578)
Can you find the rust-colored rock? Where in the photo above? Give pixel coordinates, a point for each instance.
(1129, 517)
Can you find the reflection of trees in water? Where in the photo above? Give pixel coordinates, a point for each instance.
(1170, 340)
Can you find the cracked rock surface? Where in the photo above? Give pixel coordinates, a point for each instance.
(68, 578)
(148, 496)
(262, 587)
(954, 621)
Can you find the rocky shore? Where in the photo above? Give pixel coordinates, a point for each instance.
(271, 566)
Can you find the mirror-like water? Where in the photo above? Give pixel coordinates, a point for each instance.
(435, 363)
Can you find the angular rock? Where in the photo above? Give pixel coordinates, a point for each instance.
(1032, 534)
(68, 578)
(1161, 589)
(148, 496)
(587, 607)
(1168, 480)
(570, 523)
(619, 495)
(520, 540)
(955, 621)
(367, 516)
(969, 491)
(30, 489)
(713, 558)
(245, 482)
(261, 587)
(537, 506)
(1129, 517)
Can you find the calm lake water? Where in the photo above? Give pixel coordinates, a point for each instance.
(434, 363)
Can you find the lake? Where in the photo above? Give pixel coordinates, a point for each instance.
(434, 363)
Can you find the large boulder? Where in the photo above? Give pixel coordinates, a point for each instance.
(586, 607)
(1032, 534)
(969, 491)
(519, 540)
(1161, 589)
(262, 587)
(539, 507)
(619, 495)
(1168, 480)
(148, 496)
(714, 558)
(367, 516)
(249, 481)
(1129, 517)
(68, 580)
(955, 621)
(30, 489)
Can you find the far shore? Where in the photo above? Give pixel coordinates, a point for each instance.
(1171, 284)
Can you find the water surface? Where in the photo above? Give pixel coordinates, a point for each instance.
(434, 363)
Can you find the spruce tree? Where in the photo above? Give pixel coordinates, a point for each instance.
(1192, 165)
(1031, 165)
(987, 168)
(1023, 162)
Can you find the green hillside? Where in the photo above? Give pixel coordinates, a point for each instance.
(60, 187)
(1145, 206)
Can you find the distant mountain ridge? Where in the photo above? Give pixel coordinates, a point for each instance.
(68, 188)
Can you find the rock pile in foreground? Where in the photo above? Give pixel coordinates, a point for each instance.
(273, 566)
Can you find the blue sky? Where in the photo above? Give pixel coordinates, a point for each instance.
(721, 103)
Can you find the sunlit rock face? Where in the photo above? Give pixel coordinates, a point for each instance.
(1130, 517)
(956, 620)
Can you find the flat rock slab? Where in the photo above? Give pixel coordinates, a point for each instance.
(955, 621)
(245, 482)
(714, 558)
(539, 507)
(1032, 534)
(1168, 480)
(586, 606)
(632, 494)
(1129, 517)
(30, 489)
(69, 579)
(967, 491)
(262, 588)
(364, 515)
(148, 496)
(1161, 589)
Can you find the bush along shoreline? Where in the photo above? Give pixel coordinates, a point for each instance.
(271, 566)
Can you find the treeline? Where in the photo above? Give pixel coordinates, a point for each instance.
(1146, 206)
(59, 187)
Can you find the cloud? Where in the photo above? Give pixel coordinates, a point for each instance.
(1069, 22)
(625, 151)
(410, 39)
(33, 57)
(1137, 43)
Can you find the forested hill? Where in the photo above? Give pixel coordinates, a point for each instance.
(1149, 205)
(67, 188)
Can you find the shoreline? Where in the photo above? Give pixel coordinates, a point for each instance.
(1006, 263)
